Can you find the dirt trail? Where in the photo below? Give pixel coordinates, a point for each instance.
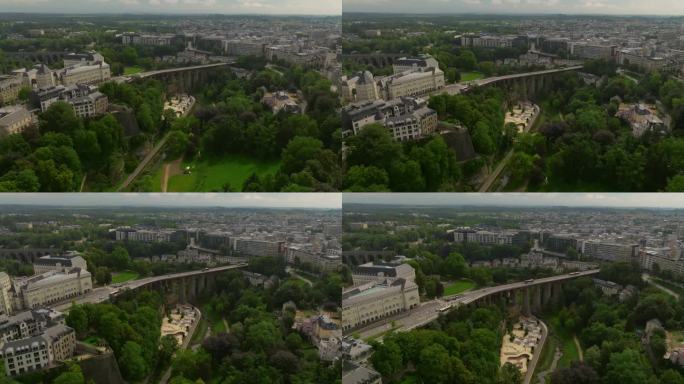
(170, 169)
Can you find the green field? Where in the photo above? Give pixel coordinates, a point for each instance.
(121, 277)
(458, 287)
(570, 352)
(470, 76)
(132, 70)
(211, 175)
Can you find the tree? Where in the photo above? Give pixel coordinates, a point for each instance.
(60, 118)
(77, 319)
(434, 365)
(298, 152)
(263, 335)
(576, 374)
(455, 265)
(509, 374)
(133, 366)
(118, 259)
(167, 347)
(176, 144)
(73, 375)
(387, 358)
(361, 178)
(627, 367)
(103, 275)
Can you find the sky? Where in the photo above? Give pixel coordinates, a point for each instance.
(613, 7)
(608, 200)
(265, 7)
(181, 200)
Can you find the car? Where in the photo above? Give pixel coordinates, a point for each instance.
(573, 273)
(529, 281)
(205, 269)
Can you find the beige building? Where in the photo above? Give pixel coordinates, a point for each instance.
(14, 119)
(10, 85)
(360, 87)
(51, 287)
(94, 104)
(94, 74)
(6, 307)
(416, 84)
(374, 301)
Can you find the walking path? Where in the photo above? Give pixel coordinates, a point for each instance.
(138, 170)
(667, 290)
(170, 169)
(579, 348)
(556, 357)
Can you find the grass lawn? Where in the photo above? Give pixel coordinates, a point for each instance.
(546, 357)
(133, 70)
(121, 277)
(214, 319)
(211, 175)
(91, 340)
(570, 352)
(458, 287)
(470, 76)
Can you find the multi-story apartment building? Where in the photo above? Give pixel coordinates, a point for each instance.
(10, 85)
(146, 235)
(252, 247)
(14, 119)
(407, 118)
(593, 51)
(55, 344)
(162, 40)
(663, 258)
(468, 235)
(376, 300)
(91, 105)
(244, 47)
(561, 243)
(609, 251)
(490, 41)
(6, 302)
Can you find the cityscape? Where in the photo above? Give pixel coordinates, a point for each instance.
(171, 290)
(511, 291)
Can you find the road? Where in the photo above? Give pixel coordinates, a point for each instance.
(143, 75)
(502, 164)
(646, 277)
(428, 311)
(102, 294)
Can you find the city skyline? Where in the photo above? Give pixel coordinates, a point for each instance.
(180, 200)
(237, 7)
(579, 7)
(578, 200)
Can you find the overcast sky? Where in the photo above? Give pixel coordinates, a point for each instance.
(615, 7)
(267, 7)
(645, 200)
(266, 200)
